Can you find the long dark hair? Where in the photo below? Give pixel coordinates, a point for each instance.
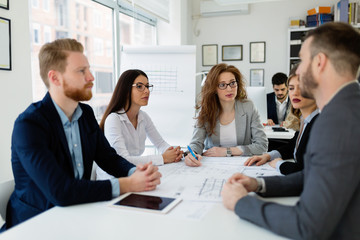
(122, 93)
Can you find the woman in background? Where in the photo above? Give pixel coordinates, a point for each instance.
(304, 109)
(126, 126)
(228, 124)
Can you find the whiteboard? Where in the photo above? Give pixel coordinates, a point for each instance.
(172, 102)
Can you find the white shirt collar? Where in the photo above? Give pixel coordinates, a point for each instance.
(123, 116)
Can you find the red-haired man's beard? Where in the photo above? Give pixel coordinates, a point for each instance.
(82, 94)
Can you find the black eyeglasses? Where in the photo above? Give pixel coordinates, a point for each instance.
(141, 87)
(223, 86)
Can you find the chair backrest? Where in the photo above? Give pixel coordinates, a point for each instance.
(6, 189)
(93, 171)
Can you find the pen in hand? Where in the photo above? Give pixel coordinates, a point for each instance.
(192, 153)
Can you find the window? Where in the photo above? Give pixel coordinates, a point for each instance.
(86, 46)
(77, 12)
(91, 23)
(47, 34)
(98, 47)
(61, 34)
(62, 11)
(108, 23)
(109, 49)
(35, 3)
(53, 25)
(36, 33)
(98, 19)
(46, 5)
(85, 17)
(136, 32)
(104, 83)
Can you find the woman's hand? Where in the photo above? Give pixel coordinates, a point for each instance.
(172, 155)
(191, 161)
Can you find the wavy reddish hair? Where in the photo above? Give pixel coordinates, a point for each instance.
(209, 104)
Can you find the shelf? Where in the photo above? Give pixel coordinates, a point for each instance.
(295, 39)
(295, 36)
(300, 29)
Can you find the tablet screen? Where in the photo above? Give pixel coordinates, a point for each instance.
(145, 201)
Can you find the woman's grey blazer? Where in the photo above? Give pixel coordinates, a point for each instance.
(250, 135)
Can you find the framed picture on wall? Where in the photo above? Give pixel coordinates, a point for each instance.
(5, 44)
(257, 52)
(232, 53)
(256, 77)
(4, 4)
(209, 55)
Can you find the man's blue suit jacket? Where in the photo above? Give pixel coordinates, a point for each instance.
(271, 107)
(42, 166)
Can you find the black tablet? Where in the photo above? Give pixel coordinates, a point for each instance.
(146, 202)
(279, 129)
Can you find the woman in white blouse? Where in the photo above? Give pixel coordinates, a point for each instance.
(126, 126)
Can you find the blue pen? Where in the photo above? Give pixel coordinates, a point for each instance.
(192, 153)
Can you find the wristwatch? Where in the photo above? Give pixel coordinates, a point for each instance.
(260, 185)
(228, 152)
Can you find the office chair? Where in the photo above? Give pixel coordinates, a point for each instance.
(6, 189)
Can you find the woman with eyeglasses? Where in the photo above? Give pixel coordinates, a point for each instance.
(126, 126)
(228, 124)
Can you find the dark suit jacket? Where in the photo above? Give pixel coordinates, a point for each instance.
(329, 185)
(271, 107)
(42, 166)
(287, 151)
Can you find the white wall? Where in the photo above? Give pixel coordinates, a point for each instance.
(16, 88)
(169, 33)
(178, 30)
(268, 21)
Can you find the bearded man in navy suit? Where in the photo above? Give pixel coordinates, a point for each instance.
(55, 142)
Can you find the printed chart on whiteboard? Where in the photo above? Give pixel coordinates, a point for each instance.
(164, 78)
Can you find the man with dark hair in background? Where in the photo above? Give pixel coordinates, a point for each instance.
(278, 101)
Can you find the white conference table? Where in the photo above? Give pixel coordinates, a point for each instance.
(99, 221)
(270, 134)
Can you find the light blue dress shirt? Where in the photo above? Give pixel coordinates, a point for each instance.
(72, 134)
